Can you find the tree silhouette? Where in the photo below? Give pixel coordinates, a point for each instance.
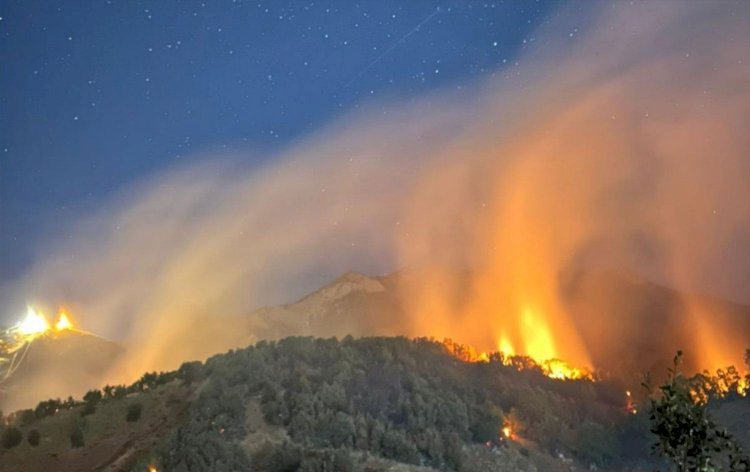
(686, 433)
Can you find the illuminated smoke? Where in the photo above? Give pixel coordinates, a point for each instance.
(623, 147)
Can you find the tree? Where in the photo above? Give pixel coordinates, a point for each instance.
(33, 438)
(486, 427)
(93, 397)
(88, 409)
(686, 433)
(47, 408)
(27, 417)
(190, 372)
(11, 437)
(134, 412)
(76, 437)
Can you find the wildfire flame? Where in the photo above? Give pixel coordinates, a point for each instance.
(553, 368)
(536, 337)
(151, 468)
(15, 341)
(33, 325)
(629, 403)
(557, 369)
(507, 431)
(63, 322)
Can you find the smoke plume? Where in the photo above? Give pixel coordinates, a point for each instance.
(619, 142)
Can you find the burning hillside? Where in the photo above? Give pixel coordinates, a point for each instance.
(551, 367)
(44, 358)
(379, 401)
(16, 340)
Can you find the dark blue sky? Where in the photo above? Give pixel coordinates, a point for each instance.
(95, 95)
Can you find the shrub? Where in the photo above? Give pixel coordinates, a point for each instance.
(93, 397)
(33, 438)
(11, 437)
(134, 412)
(27, 417)
(76, 437)
(47, 408)
(88, 409)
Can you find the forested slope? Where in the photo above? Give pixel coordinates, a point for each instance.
(351, 405)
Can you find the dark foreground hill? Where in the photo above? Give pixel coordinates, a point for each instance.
(365, 404)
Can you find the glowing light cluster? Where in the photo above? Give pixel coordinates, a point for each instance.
(507, 432)
(629, 403)
(36, 324)
(63, 322)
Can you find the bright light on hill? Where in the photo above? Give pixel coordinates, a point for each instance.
(34, 324)
(63, 322)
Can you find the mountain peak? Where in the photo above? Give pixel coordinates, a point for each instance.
(344, 285)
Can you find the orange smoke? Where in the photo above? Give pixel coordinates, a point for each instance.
(609, 173)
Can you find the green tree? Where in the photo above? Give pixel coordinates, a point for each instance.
(88, 409)
(11, 437)
(76, 437)
(27, 417)
(486, 427)
(93, 397)
(134, 412)
(686, 433)
(47, 408)
(190, 372)
(33, 438)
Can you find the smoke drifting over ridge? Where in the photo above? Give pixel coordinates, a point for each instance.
(627, 148)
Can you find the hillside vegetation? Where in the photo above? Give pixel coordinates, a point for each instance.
(310, 404)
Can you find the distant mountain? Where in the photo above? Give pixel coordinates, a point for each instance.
(353, 304)
(58, 364)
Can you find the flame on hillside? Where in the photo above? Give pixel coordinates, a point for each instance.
(553, 368)
(723, 383)
(63, 322)
(507, 432)
(34, 325)
(15, 341)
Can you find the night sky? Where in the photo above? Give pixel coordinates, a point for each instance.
(96, 95)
